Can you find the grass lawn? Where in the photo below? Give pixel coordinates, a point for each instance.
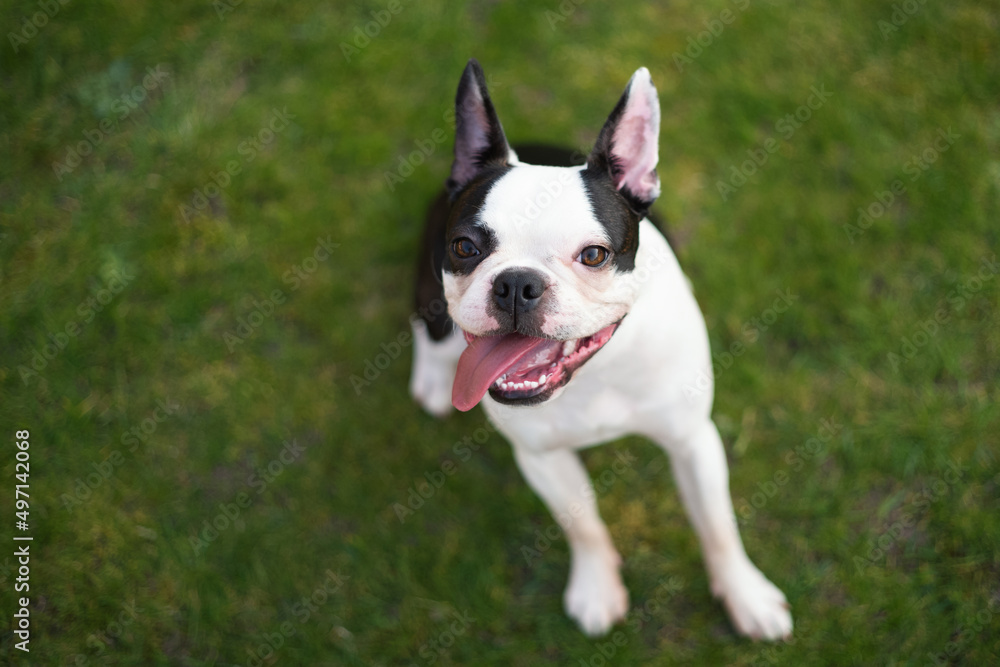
(209, 218)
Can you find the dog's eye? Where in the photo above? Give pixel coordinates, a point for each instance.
(464, 248)
(593, 256)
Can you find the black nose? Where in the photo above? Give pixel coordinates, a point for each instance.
(518, 291)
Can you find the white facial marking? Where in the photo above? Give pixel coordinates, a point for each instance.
(542, 219)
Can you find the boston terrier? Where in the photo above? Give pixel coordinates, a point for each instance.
(547, 295)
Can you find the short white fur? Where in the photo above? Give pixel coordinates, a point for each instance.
(542, 219)
(634, 385)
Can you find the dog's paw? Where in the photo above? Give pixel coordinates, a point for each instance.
(430, 386)
(757, 608)
(434, 369)
(596, 598)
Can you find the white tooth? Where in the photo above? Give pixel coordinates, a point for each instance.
(542, 379)
(532, 385)
(568, 347)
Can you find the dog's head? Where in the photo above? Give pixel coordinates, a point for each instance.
(538, 258)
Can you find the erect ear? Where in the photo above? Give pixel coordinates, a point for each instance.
(479, 137)
(627, 147)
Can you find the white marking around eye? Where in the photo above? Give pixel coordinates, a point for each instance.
(542, 219)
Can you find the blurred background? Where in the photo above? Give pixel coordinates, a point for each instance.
(209, 219)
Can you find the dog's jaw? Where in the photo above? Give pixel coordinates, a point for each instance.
(521, 370)
(530, 384)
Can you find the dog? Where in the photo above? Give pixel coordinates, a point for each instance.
(547, 295)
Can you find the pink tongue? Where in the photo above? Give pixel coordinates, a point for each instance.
(486, 359)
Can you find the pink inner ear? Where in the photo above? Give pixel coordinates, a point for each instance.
(474, 137)
(636, 138)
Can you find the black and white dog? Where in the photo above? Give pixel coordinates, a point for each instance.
(570, 320)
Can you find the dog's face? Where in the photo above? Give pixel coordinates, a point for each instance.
(538, 259)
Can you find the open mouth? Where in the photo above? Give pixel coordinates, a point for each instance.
(518, 369)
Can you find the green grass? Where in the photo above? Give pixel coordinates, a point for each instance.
(115, 577)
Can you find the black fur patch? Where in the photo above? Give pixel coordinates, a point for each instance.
(549, 156)
(464, 221)
(430, 302)
(446, 221)
(615, 214)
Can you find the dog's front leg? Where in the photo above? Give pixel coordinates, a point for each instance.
(595, 596)
(756, 607)
(434, 365)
